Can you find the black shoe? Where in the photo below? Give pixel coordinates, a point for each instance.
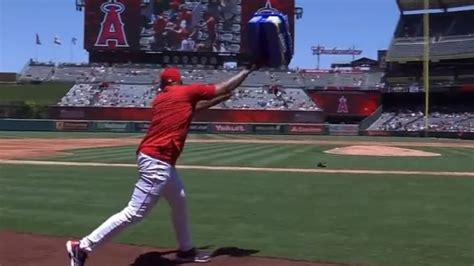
(77, 256)
(192, 255)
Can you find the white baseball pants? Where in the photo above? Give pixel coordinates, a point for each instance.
(157, 179)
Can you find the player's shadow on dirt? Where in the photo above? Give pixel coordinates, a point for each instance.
(158, 259)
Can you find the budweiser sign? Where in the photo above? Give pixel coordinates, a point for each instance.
(306, 129)
(230, 128)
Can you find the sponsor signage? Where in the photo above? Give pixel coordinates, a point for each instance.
(269, 129)
(344, 130)
(306, 129)
(72, 126)
(112, 126)
(142, 127)
(230, 128)
(198, 128)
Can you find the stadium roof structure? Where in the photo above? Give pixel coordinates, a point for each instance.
(414, 5)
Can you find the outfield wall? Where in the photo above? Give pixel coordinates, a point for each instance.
(216, 128)
(140, 127)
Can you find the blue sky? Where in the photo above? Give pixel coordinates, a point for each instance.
(366, 24)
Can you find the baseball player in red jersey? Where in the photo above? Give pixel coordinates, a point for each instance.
(173, 110)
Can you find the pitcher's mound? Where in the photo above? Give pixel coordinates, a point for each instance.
(377, 150)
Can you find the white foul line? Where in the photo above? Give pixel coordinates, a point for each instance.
(250, 169)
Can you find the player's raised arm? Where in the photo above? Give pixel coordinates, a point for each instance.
(233, 83)
(202, 105)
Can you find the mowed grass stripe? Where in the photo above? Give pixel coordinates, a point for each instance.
(196, 147)
(285, 157)
(252, 157)
(457, 151)
(101, 155)
(205, 149)
(234, 153)
(116, 154)
(221, 149)
(122, 155)
(208, 150)
(218, 154)
(77, 153)
(105, 150)
(249, 169)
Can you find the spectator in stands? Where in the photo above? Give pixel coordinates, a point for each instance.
(211, 25)
(185, 18)
(159, 28)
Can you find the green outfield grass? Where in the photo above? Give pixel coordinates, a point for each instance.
(386, 220)
(285, 156)
(46, 93)
(23, 134)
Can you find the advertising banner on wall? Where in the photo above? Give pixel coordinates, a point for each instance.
(72, 126)
(230, 128)
(268, 129)
(343, 130)
(112, 126)
(306, 129)
(142, 127)
(199, 128)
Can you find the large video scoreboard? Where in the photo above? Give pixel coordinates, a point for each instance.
(177, 30)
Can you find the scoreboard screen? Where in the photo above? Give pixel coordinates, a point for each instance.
(159, 26)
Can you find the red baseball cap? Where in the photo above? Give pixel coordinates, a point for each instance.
(170, 75)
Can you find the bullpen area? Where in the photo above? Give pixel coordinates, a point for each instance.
(254, 200)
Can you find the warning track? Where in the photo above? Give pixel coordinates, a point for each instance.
(250, 169)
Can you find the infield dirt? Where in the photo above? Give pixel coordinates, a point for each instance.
(33, 250)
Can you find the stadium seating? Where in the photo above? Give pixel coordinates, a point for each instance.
(362, 80)
(125, 96)
(71, 73)
(451, 34)
(264, 98)
(37, 73)
(131, 75)
(443, 47)
(141, 74)
(80, 95)
(134, 85)
(446, 119)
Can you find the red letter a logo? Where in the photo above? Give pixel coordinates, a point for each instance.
(112, 33)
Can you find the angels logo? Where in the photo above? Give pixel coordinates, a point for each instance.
(112, 32)
(342, 108)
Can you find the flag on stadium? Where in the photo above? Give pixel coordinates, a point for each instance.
(74, 40)
(57, 40)
(38, 41)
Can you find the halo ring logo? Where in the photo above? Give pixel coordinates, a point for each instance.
(107, 7)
